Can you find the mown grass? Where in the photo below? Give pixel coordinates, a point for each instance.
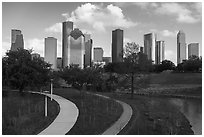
(24, 115)
(153, 116)
(96, 114)
(176, 78)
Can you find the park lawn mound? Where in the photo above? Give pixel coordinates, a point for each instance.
(96, 114)
(153, 116)
(24, 115)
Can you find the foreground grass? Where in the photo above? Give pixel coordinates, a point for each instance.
(153, 116)
(96, 114)
(24, 115)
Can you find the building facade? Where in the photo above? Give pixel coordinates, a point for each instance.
(67, 27)
(117, 45)
(98, 54)
(51, 51)
(107, 60)
(193, 49)
(59, 63)
(16, 40)
(181, 47)
(149, 46)
(88, 50)
(159, 51)
(76, 48)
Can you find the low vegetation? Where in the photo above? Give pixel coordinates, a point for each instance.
(24, 115)
(96, 114)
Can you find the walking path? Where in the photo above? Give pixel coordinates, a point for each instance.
(66, 118)
(122, 121)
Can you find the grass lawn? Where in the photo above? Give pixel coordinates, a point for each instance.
(96, 114)
(152, 116)
(24, 115)
(176, 78)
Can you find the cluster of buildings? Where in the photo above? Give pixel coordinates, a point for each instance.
(77, 48)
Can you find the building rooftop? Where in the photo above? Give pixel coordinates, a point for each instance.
(76, 33)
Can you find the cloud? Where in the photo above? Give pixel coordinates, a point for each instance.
(170, 55)
(55, 28)
(168, 33)
(36, 44)
(126, 40)
(180, 11)
(99, 17)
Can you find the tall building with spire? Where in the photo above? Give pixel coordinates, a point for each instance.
(67, 27)
(117, 45)
(16, 40)
(51, 51)
(159, 52)
(181, 47)
(149, 46)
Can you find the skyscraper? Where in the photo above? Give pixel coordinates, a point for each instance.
(98, 54)
(67, 27)
(76, 48)
(149, 46)
(88, 50)
(16, 40)
(51, 51)
(181, 47)
(193, 49)
(159, 52)
(117, 45)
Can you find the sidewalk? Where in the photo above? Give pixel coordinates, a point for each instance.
(66, 118)
(122, 121)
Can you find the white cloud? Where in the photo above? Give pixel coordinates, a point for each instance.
(168, 33)
(57, 27)
(182, 13)
(98, 17)
(36, 44)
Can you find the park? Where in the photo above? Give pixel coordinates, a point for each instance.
(158, 97)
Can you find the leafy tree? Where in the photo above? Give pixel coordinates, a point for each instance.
(165, 65)
(20, 70)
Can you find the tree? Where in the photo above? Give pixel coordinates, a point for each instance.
(134, 62)
(20, 70)
(165, 65)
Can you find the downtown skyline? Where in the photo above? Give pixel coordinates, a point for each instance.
(40, 20)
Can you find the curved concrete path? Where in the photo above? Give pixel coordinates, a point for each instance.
(122, 121)
(66, 118)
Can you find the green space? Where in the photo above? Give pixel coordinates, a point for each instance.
(175, 78)
(152, 116)
(96, 114)
(24, 115)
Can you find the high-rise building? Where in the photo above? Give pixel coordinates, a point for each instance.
(16, 40)
(106, 60)
(98, 54)
(51, 51)
(76, 48)
(88, 50)
(59, 63)
(159, 54)
(117, 45)
(67, 27)
(193, 49)
(181, 47)
(149, 46)
(142, 49)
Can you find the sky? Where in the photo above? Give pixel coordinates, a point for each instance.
(38, 20)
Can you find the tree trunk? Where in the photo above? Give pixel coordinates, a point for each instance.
(132, 85)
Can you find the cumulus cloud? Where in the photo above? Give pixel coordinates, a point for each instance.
(99, 17)
(181, 12)
(57, 27)
(168, 33)
(36, 44)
